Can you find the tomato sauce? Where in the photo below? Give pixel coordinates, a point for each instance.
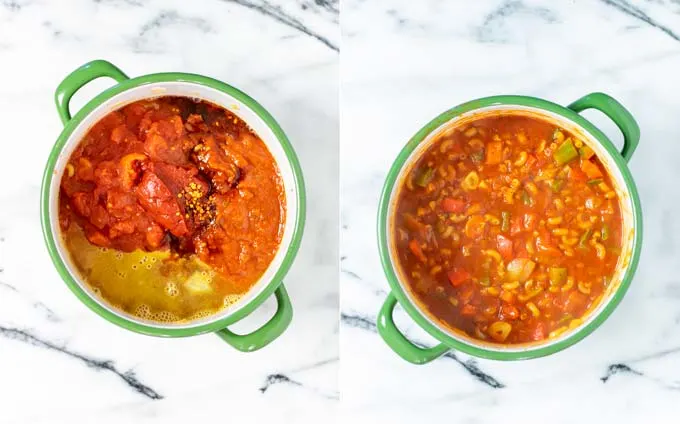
(182, 177)
(508, 229)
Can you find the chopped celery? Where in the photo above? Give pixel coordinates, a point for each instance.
(505, 221)
(565, 153)
(582, 242)
(605, 232)
(424, 176)
(557, 276)
(526, 199)
(557, 185)
(595, 181)
(477, 157)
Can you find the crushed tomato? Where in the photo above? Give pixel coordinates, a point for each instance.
(181, 175)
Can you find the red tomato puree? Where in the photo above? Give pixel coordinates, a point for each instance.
(172, 174)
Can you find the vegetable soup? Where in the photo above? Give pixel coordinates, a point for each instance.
(171, 208)
(508, 229)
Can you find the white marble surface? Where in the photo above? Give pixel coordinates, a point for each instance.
(59, 362)
(405, 63)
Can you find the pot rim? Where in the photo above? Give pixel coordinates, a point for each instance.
(201, 327)
(391, 273)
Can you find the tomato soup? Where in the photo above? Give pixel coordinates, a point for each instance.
(171, 208)
(508, 229)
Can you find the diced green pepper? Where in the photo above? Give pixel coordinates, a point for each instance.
(557, 276)
(505, 221)
(565, 153)
(595, 181)
(605, 232)
(477, 157)
(583, 240)
(412, 223)
(424, 176)
(557, 185)
(565, 318)
(586, 152)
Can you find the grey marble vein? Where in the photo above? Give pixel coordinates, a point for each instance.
(505, 10)
(135, 3)
(283, 378)
(330, 6)
(164, 19)
(470, 365)
(13, 5)
(273, 379)
(279, 378)
(38, 305)
(351, 274)
(129, 376)
(637, 13)
(276, 13)
(617, 369)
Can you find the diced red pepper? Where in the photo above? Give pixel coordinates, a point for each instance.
(531, 161)
(507, 296)
(575, 174)
(575, 302)
(529, 221)
(504, 246)
(494, 153)
(508, 312)
(417, 250)
(545, 247)
(458, 276)
(466, 296)
(451, 205)
(539, 332)
(521, 252)
(590, 169)
(468, 310)
(515, 225)
(475, 226)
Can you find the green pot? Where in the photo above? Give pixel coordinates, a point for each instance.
(128, 90)
(566, 117)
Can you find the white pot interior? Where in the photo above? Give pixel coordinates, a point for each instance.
(625, 202)
(196, 91)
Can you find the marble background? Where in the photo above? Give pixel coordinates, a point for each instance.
(59, 362)
(405, 62)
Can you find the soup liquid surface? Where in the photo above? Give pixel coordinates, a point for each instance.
(508, 229)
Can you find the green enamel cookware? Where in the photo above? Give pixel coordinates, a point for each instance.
(614, 160)
(128, 90)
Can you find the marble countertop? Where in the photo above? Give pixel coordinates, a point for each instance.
(405, 63)
(59, 362)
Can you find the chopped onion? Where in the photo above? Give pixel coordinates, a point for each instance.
(520, 269)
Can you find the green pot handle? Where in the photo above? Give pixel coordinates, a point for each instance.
(399, 343)
(617, 113)
(269, 332)
(78, 78)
